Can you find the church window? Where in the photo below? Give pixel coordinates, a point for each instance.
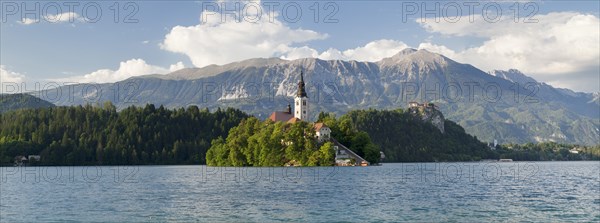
(303, 102)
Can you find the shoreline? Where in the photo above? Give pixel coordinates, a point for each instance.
(382, 164)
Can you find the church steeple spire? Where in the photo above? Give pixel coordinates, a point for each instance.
(301, 91)
(301, 101)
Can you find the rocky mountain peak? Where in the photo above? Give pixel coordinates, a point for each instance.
(513, 75)
(420, 57)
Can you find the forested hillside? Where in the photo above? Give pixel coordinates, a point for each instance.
(88, 135)
(11, 102)
(99, 135)
(406, 138)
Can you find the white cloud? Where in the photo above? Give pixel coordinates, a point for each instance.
(175, 67)
(63, 17)
(70, 17)
(438, 49)
(371, 52)
(218, 41)
(221, 42)
(10, 76)
(127, 69)
(300, 52)
(29, 21)
(558, 45)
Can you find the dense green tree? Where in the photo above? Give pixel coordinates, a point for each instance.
(89, 135)
(99, 135)
(406, 138)
(547, 151)
(267, 143)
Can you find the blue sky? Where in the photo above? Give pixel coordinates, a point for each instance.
(558, 48)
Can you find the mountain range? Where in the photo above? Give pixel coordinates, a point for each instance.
(504, 105)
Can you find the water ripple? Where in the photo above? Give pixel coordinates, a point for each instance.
(558, 192)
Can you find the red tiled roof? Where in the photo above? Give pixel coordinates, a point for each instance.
(294, 120)
(319, 125)
(280, 116)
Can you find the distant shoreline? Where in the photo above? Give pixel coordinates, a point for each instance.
(149, 165)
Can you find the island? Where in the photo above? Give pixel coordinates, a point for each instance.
(287, 138)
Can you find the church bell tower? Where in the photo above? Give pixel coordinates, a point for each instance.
(301, 101)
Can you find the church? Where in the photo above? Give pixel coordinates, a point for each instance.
(300, 106)
(343, 155)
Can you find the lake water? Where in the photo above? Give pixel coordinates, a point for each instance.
(411, 192)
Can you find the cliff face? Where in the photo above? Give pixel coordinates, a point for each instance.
(436, 118)
(431, 115)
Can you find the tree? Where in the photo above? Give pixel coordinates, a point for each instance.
(101, 135)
